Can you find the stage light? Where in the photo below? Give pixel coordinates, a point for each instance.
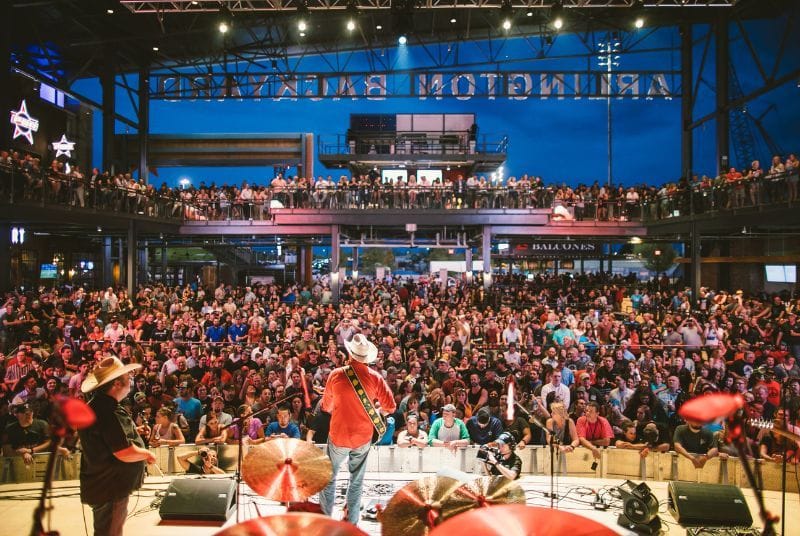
(379, 27)
(639, 23)
(453, 20)
(558, 23)
(301, 25)
(110, 11)
(402, 40)
(155, 49)
(507, 24)
(351, 25)
(529, 14)
(223, 27)
(302, 34)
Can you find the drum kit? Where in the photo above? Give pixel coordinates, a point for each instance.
(290, 471)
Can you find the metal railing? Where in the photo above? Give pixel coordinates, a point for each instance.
(721, 195)
(410, 143)
(613, 463)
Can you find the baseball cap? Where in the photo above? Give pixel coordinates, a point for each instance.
(483, 415)
(184, 385)
(585, 376)
(505, 439)
(449, 407)
(22, 408)
(580, 389)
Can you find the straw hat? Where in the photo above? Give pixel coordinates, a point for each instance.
(361, 349)
(106, 371)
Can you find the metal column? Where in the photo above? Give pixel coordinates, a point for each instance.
(687, 101)
(722, 84)
(131, 264)
(107, 81)
(120, 257)
(5, 79)
(5, 257)
(468, 264)
(696, 265)
(144, 121)
(143, 268)
(334, 266)
(164, 264)
(308, 156)
(108, 265)
(355, 264)
(486, 251)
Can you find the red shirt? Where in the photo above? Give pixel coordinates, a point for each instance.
(350, 427)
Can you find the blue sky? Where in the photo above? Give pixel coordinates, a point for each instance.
(560, 140)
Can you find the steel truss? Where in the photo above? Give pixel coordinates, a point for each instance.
(201, 6)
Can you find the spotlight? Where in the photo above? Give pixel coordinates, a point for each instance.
(453, 20)
(402, 40)
(301, 25)
(639, 23)
(558, 23)
(507, 24)
(110, 11)
(302, 34)
(379, 27)
(223, 27)
(351, 25)
(155, 49)
(529, 14)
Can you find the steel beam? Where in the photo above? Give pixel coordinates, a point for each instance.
(109, 110)
(144, 121)
(721, 88)
(687, 102)
(234, 6)
(334, 265)
(486, 253)
(696, 266)
(130, 272)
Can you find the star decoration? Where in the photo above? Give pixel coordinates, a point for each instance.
(63, 146)
(24, 124)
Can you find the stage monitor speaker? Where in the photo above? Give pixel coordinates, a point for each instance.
(708, 505)
(199, 499)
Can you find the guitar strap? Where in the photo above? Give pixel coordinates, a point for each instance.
(373, 414)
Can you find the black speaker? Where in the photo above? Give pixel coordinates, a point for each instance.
(708, 505)
(199, 499)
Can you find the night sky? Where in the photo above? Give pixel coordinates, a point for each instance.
(560, 140)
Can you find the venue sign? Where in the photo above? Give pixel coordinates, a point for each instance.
(63, 147)
(511, 85)
(24, 124)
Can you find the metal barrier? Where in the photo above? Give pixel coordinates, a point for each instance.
(613, 464)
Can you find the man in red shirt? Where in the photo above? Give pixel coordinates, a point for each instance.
(351, 428)
(593, 430)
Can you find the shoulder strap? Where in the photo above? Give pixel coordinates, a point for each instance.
(366, 403)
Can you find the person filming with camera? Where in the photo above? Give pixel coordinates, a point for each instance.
(501, 460)
(207, 466)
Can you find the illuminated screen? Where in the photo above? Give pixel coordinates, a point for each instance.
(781, 273)
(431, 174)
(48, 271)
(393, 175)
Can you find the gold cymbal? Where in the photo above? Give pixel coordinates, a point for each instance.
(485, 491)
(418, 507)
(286, 470)
(304, 524)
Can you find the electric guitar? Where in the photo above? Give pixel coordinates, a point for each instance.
(765, 424)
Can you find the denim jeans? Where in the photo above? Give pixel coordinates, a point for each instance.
(357, 465)
(109, 518)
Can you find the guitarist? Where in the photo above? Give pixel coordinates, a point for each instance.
(356, 397)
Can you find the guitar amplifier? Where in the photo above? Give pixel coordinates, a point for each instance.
(199, 499)
(708, 505)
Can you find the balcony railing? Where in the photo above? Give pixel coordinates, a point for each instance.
(411, 143)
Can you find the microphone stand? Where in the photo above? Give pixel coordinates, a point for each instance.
(239, 423)
(738, 438)
(553, 442)
(38, 514)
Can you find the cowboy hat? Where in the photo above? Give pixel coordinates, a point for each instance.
(106, 371)
(361, 349)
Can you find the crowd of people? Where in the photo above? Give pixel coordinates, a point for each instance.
(23, 178)
(596, 362)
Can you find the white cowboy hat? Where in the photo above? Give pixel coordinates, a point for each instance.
(106, 371)
(361, 349)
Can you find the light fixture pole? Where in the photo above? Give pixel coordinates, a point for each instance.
(608, 59)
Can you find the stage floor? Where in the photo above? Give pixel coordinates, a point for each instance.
(70, 519)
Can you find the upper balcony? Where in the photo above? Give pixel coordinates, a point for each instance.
(440, 150)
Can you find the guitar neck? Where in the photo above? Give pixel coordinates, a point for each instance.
(770, 425)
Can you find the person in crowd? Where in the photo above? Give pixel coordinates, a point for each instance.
(696, 443)
(165, 432)
(507, 464)
(206, 462)
(448, 430)
(594, 431)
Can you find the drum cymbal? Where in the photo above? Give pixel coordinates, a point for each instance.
(520, 520)
(294, 523)
(485, 491)
(286, 470)
(418, 506)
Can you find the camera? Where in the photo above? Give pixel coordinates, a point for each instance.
(204, 454)
(485, 450)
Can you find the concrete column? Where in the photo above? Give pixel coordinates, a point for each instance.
(144, 121)
(107, 82)
(486, 251)
(5, 257)
(334, 266)
(696, 265)
(130, 272)
(108, 264)
(468, 261)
